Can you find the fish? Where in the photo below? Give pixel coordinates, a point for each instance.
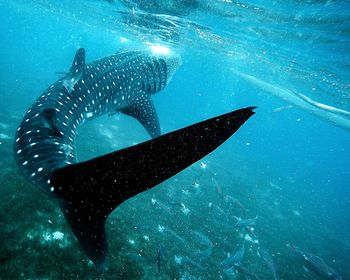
(87, 192)
(136, 257)
(218, 209)
(234, 201)
(316, 263)
(203, 240)
(335, 116)
(218, 188)
(186, 261)
(160, 257)
(235, 260)
(161, 206)
(243, 223)
(270, 263)
(245, 271)
(171, 232)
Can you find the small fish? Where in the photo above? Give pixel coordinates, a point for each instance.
(161, 206)
(218, 188)
(61, 73)
(316, 263)
(235, 259)
(186, 261)
(233, 201)
(244, 270)
(204, 241)
(160, 256)
(270, 263)
(172, 233)
(242, 223)
(218, 209)
(136, 257)
(279, 109)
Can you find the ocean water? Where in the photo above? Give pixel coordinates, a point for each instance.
(288, 166)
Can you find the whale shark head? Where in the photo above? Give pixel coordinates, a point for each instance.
(158, 71)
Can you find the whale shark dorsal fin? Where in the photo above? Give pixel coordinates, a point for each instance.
(144, 111)
(76, 70)
(91, 190)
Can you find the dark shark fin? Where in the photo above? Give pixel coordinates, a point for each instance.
(48, 120)
(76, 70)
(91, 190)
(144, 111)
(88, 225)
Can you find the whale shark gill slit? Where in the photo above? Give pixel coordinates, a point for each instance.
(91, 190)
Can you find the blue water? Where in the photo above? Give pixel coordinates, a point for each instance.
(287, 165)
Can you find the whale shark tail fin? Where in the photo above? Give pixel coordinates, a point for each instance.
(91, 190)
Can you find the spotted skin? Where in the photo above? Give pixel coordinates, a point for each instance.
(120, 83)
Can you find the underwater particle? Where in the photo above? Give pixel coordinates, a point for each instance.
(30, 236)
(131, 241)
(203, 165)
(178, 259)
(161, 228)
(145, 237)
(184, 209)
(46, 236)
(57, 235)
(248, 238)
(4, 136)
(230, 272)
(154, 201)
(296, 213)
(123, 40)
(185, 192)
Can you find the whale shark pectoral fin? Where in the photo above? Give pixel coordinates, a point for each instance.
(48, 120)
(76, 70)
(94, 188)
(144, 111)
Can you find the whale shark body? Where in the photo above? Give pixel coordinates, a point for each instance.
(89, 191)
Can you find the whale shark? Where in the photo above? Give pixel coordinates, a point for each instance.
(87, 192)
